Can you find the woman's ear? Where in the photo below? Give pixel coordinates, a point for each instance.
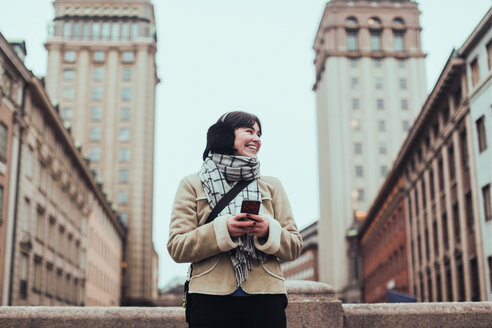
(220, 139)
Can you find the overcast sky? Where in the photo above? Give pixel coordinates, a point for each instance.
(220, 55)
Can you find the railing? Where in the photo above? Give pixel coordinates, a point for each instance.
(311, 305)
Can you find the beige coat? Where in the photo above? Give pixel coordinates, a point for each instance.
(191, 240)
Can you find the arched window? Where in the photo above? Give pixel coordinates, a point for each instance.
(398, 22)
(351, 21)
(374, 22)
(351, 31)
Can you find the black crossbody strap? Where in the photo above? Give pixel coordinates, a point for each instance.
(226, 199)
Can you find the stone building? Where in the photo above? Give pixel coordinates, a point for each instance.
(53, 194)
(370, 85)
(102, 72)
(434, 182)
(477, 50)
(13, 77)
(305, 267)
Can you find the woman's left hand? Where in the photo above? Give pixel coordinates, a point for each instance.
(259, 227)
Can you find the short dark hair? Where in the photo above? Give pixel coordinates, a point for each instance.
(220, 136)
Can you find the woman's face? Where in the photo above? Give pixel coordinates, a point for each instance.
(247, 141)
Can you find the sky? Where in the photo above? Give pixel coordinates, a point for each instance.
(217, 56)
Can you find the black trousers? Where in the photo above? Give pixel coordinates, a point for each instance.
(255, 311)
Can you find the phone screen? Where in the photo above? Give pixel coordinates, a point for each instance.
(250, 206)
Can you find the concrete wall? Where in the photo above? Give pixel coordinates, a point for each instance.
(311, 304)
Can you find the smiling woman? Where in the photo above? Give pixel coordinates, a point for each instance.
(233, 225)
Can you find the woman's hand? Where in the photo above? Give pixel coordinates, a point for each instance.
(255, 225)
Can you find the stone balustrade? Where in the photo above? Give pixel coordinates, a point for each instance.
(311, 305)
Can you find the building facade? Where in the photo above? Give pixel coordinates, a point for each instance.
(105, 244)
(305, 267)
(383, 243)
(444, 190)
(102, 72)
(370, 85)
(13, 78)
(477, 51)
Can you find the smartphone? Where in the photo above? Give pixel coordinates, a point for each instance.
(250, 206)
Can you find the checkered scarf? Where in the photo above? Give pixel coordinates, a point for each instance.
(216, 171)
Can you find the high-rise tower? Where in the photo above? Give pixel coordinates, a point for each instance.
(370, 85)
(102, 73)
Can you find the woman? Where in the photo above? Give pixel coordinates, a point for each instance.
(235, 278)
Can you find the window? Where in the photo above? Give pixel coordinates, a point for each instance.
(375, 41)
(50, 277)
(481, 135)
(115, 31)
(66, 113)
(125, 114)
(134, 30)
(69, 74)
(95, 154)
(97, 93)
(67, 30)
(124, 218)
(24, 276)
(359, 171)
(404, 104)
(352, 44)
(382, 148)
(355, 103)
(128, 57)
(353, 62)
(406, 125)
(360, 195)
(381, 126)
(124, 134)
(96, 31)
(464, 150)
(379, 83)
(489, 260)
(123, 175)
(380, 104)
(487, 202)
(357, 148)
(403, 84)
(122, 197)
(38, 271)
(98, 74)
(124, 155)
(475, 72)
(126, 94)
(489, 58)
(399, 44)
(95, 133)
(125, 31)
(4, 138)
(451, 164)
(40, 223)
(68, 93)
(105, 31)
(398, 22)
(377, 62)
(96, 113)
(98, 56)
(52, 232)
(401, 63)
(126, 74)
(384, 171)
(87, 31)
(351, 21)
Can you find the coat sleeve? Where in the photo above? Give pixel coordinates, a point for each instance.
(284, 240)
(188, 241)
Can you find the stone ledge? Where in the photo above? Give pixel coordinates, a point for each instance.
(410, 315)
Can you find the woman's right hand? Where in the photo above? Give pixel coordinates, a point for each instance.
(238, 225)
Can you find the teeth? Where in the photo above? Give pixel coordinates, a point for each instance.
(253, 147)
